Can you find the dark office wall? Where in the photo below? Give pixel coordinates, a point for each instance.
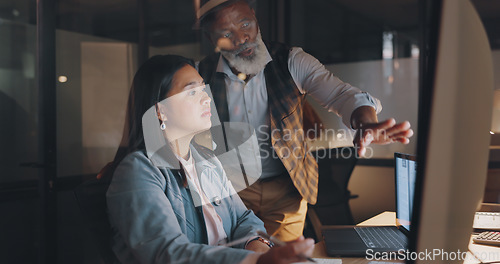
(18, 229)
(334, 34)
(75, 242)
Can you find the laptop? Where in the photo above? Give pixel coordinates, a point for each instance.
(364, 240)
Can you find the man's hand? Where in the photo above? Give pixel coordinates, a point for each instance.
(369, 130)
(381, 133)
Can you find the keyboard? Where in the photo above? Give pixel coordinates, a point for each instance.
(382, 237)
(488, 238)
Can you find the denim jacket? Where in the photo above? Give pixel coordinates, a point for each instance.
(155, 219)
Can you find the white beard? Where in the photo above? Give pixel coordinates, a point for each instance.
(253, 64)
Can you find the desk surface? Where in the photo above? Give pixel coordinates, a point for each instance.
(389, 218)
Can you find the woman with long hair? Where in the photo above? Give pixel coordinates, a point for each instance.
(174, 203)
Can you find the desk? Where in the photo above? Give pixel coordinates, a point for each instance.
(389, 218)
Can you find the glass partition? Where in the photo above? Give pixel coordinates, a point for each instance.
(94, 75)
(18, 97)
(19, 132)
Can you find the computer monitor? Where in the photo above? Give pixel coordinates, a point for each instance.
(405, 169)
(454, 122)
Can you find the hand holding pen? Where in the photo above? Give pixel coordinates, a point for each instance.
(293, 251)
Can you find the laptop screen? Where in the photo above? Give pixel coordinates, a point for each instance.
(406, 172)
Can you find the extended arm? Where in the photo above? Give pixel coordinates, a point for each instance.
(357, 109)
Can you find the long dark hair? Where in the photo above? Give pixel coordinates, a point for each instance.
(151, 84)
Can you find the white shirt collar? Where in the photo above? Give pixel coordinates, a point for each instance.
(188, 162)
(195, 159)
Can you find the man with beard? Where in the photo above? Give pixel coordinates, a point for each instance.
(264, 84)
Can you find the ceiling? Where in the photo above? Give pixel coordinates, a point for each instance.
(169, 22)
(399, 14)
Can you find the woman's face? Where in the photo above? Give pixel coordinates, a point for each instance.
(186, 110)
